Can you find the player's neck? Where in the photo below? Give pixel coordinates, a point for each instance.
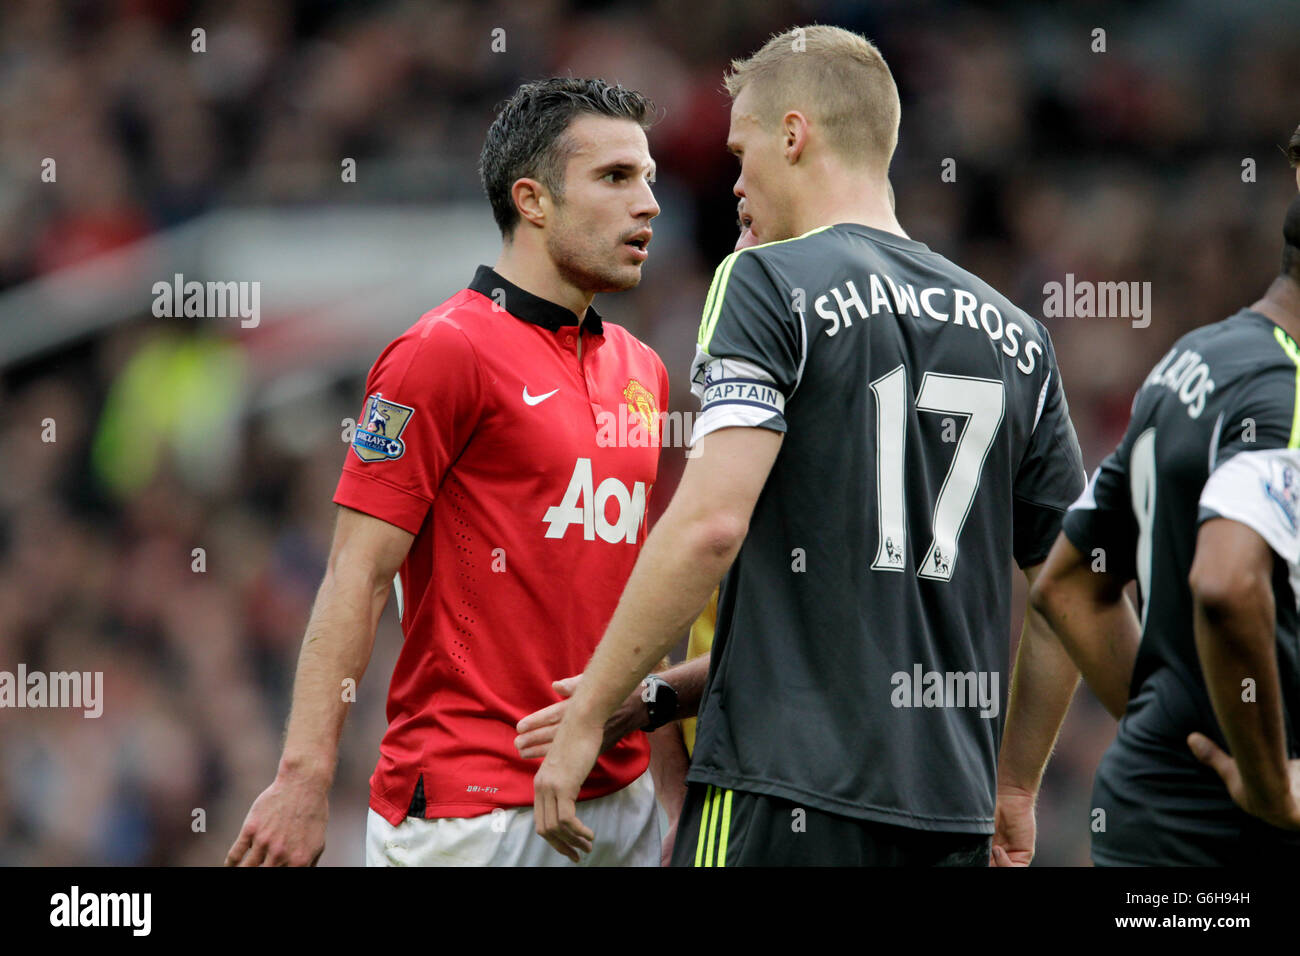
(826, 207)
(535, 272)
(1281, 305)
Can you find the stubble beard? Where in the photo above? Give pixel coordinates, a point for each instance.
(582, 264)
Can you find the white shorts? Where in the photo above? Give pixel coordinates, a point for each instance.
(626, 824)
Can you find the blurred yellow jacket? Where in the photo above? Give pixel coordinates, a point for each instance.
(700, 642)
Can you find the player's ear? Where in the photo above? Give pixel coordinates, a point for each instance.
(794, 135)
(532, 200)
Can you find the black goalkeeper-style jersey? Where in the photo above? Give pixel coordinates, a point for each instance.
(1214, 433)
(861, 653)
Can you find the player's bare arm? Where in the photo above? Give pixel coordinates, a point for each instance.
(1235, 624)
(1093, 618)
(537, 730)
(286, 825)
(1043, 682)
(684, 558)
(669, 762)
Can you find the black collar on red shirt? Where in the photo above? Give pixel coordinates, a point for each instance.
(531, 308)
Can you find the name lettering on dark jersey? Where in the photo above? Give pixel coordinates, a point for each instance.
(904, 299)
(1187, 375)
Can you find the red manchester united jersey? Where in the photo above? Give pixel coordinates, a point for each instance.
(524, 469)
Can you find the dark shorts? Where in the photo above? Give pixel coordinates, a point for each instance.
(721, 827)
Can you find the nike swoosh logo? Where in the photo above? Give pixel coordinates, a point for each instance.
(537, 399)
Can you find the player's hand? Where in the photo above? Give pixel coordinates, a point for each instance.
(1286, 816)
(285, 827)
(537, 730)
(1013, 828)
(555, 788)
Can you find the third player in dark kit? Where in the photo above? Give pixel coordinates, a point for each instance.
(1215, 434)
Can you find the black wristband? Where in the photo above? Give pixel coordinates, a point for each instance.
(660, 702)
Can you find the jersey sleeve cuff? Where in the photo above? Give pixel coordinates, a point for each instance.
(731, 416)
(1091, 530)
(1262, 491)
(1034, 530)
(379, 499)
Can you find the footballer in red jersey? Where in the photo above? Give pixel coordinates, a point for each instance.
(488, 448)
(497, 486)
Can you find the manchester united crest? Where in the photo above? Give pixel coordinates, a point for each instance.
(641, 402)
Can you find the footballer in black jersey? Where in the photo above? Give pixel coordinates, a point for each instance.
(1200, 503)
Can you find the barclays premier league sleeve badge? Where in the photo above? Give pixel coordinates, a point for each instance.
(378, 435)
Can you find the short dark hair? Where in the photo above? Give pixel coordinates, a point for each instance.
(1291, 225)
(527, 139)
(1291, 236)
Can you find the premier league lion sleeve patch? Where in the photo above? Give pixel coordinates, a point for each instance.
(402, 450)
(379, 434)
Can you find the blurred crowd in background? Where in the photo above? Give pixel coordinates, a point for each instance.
(1122, 165)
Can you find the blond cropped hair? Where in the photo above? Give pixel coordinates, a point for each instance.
(833, 76)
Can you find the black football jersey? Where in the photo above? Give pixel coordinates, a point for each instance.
(1214, 432)
(861, 656)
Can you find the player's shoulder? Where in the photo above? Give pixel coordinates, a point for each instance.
(621, 335)
(1020, 339)
(962, 278)
(1247, 336)
(625, 338)
(1243, 348)
(760, 280)
(1239, 369)
(630, 344)
(914, 265)
(449, 327)
(778, 257)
